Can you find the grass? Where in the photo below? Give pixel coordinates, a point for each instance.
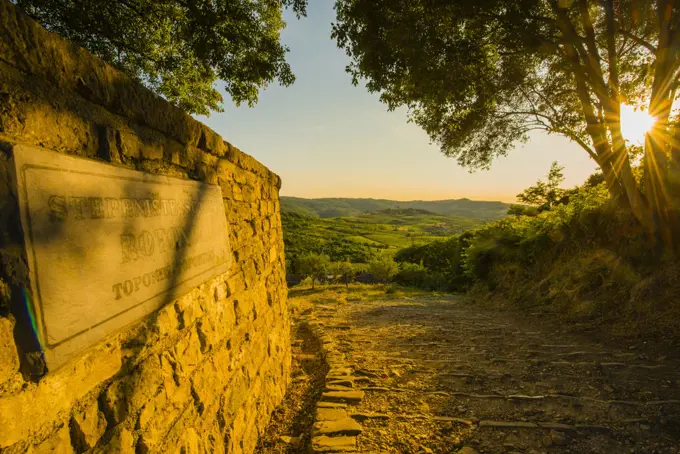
(303, 298)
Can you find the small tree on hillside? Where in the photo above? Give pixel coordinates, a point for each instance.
(313, 266)
(545, 194)
(345, 272)
(383, 267)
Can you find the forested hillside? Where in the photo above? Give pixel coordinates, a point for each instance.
(338, 207)
(358, 238)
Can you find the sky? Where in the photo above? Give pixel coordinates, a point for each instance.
(327, 138)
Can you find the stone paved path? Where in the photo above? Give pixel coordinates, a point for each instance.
(439, 375)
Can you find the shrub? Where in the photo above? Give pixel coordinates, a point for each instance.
(413, 275)
(383, 267)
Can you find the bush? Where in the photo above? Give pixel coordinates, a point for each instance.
(383, 267)
(413, 275)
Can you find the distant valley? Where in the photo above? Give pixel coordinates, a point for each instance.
(357, 229)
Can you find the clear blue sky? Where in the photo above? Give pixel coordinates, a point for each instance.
(327, 138)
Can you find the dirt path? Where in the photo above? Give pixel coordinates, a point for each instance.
(448, 375)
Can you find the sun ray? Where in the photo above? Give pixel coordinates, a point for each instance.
(635, 123)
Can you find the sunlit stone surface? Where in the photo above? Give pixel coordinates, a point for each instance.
(107, 245)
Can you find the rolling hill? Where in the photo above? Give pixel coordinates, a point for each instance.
(358, 237)
(339, 207)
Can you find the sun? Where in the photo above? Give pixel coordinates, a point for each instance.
(635, 124)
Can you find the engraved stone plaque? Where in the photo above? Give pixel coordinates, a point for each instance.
(108, 245)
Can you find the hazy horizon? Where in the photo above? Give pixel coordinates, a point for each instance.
(393, 200)
(329, 139)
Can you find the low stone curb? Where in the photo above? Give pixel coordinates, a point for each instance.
(334, 429)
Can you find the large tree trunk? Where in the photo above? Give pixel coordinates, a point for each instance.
(616, 190)
(659, 163)
(639, 204)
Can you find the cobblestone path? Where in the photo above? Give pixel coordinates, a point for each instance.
(439, 376)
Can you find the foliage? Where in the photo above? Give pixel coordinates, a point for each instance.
(441, 259)
(358, 238)
(383, 267)
(462, 260)
(313, 266)
(180, 49)
(545, 194)
(479, 77)
(522, 210)
(413, 275)
(343, 272)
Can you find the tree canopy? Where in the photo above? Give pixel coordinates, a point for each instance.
(313, 266)
(180, 48)
(545, 194)
(479, 76)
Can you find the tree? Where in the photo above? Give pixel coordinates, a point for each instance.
(313, 266)
(383, 267)
(180, 48)
(479, 76)
(545, 194)
(345, 272)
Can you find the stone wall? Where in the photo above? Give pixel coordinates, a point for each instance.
(203, 373)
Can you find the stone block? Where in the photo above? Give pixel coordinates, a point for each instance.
(330, 414)
(151, 150)
(189, 309)
(130, 393)
(343, 396)
(187, 353)
(334, 444)
(189, 442)
(57, 443)
(166, 321)
(129, 144)
(9, 360)
(122, 442)
(38, 405)
(346, 426)
(156, 419)
(87, 427)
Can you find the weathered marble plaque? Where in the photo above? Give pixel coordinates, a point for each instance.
(108, 245)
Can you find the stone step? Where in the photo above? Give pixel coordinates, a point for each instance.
(330, 414)
(343, 396)
(346, 426)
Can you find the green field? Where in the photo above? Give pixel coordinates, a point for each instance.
(358, 238)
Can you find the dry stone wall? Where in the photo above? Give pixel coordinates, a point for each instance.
(203, 373)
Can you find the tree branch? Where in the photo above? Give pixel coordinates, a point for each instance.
(611, 54)
(591, 44)
(636, 39)
(590, 71)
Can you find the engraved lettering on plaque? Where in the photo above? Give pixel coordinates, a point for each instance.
(108, 245)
